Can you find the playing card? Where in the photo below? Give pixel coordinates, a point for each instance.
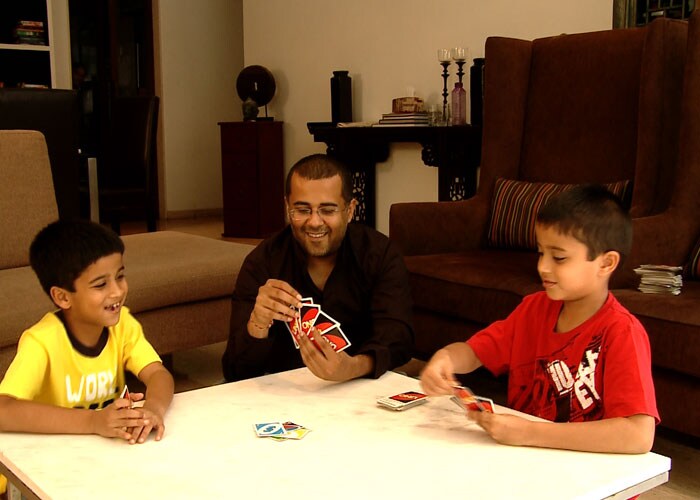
(466, 399)
(324, 322)
(266, 429)
(307, 316)
(337, 338)
(307, 300)
(293, 326)
(293, 431)
(126, 395)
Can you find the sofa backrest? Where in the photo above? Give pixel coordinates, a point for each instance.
(591, 107)
(27, 199)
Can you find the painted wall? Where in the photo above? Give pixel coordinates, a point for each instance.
(199, 55)
(388, 47)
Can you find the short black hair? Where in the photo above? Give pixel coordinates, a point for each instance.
(593, 215)
(320, 166)
(64, 249)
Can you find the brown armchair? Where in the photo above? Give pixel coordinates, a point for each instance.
(596, 107)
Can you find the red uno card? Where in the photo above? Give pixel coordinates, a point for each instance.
(337, 338)
(307, 316)
(324, 322)
(465, 398)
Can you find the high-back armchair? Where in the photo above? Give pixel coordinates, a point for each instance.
(600, 107)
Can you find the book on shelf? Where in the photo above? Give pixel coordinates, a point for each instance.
(399, 124)
(404, 116)
(29, 23)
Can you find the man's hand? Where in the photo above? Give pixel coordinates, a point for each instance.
(437, 378)
(275, 301)
(325, 363)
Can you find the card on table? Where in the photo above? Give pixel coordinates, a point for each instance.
(266, 429)
(293, 431)
(468, 401)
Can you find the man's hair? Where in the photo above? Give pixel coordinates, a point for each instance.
(64, 249)
(320, 166)
(594, 216)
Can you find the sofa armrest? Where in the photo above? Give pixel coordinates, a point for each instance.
(423, 228)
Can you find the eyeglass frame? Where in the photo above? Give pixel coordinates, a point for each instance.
(334, 209)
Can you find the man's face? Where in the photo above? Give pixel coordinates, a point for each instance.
(321, 232)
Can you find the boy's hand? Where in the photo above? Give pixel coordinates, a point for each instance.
(116, 419)
(153, 420)
(437, 378)
(506, 429)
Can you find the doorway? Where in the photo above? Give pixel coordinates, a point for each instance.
(112, 57)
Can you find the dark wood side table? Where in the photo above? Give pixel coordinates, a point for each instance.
(252, 170)
(455, 150)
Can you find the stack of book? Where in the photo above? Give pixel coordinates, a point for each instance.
(30, 32)
(418, 119)
(660, 279)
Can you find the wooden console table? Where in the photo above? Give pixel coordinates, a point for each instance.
(455, 150)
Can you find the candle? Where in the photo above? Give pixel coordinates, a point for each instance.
(459, 54)
(443, 55)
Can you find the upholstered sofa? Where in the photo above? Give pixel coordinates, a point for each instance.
(179, 284)
(618, 105)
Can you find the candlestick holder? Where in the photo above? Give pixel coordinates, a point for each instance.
(445, 74)
(460, 73)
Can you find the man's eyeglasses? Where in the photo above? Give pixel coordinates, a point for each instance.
(303, 213)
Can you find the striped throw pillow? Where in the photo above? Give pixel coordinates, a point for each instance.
(692, 270)
(515, 206)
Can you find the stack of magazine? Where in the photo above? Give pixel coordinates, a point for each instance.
(417, 119)
(660, 279)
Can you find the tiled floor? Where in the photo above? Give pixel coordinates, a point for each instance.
(201, 368)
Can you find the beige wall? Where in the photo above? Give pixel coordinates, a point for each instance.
(387, 46)
(199, 55)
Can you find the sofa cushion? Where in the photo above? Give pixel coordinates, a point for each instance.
(167, 268)
(692, 269)
(480, 285)
(515, 205)
(23, 303)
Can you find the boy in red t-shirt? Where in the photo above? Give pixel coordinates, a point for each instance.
(574, 356)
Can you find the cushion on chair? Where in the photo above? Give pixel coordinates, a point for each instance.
(515, 205)
(692, 269)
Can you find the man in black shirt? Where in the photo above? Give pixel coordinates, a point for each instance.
(354, 272)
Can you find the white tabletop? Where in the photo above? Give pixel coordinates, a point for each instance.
(356, 450)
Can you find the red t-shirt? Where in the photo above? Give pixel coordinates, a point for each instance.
(600, 369)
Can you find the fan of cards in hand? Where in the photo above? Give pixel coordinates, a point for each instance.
(310, 316)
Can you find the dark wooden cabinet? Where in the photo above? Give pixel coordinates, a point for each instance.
(252, 168)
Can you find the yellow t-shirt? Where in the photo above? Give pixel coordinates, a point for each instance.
(48, 369)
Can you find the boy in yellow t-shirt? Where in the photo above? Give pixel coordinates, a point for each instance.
(74, 359)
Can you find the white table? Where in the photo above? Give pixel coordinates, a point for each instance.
(356, 450)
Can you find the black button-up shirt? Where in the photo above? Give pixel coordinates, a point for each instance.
(367, 292)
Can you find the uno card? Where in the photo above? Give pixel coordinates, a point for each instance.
(307, 317)
(467, 400)
(323, 322)
(265, 429)
(403, 400)
(293, 431)
(126, 395)
(293, 327)
(307, 300)
(339, 342)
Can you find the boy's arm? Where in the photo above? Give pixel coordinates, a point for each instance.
(634, 434)
(159, 387)
(438, 375)
(19, 415)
